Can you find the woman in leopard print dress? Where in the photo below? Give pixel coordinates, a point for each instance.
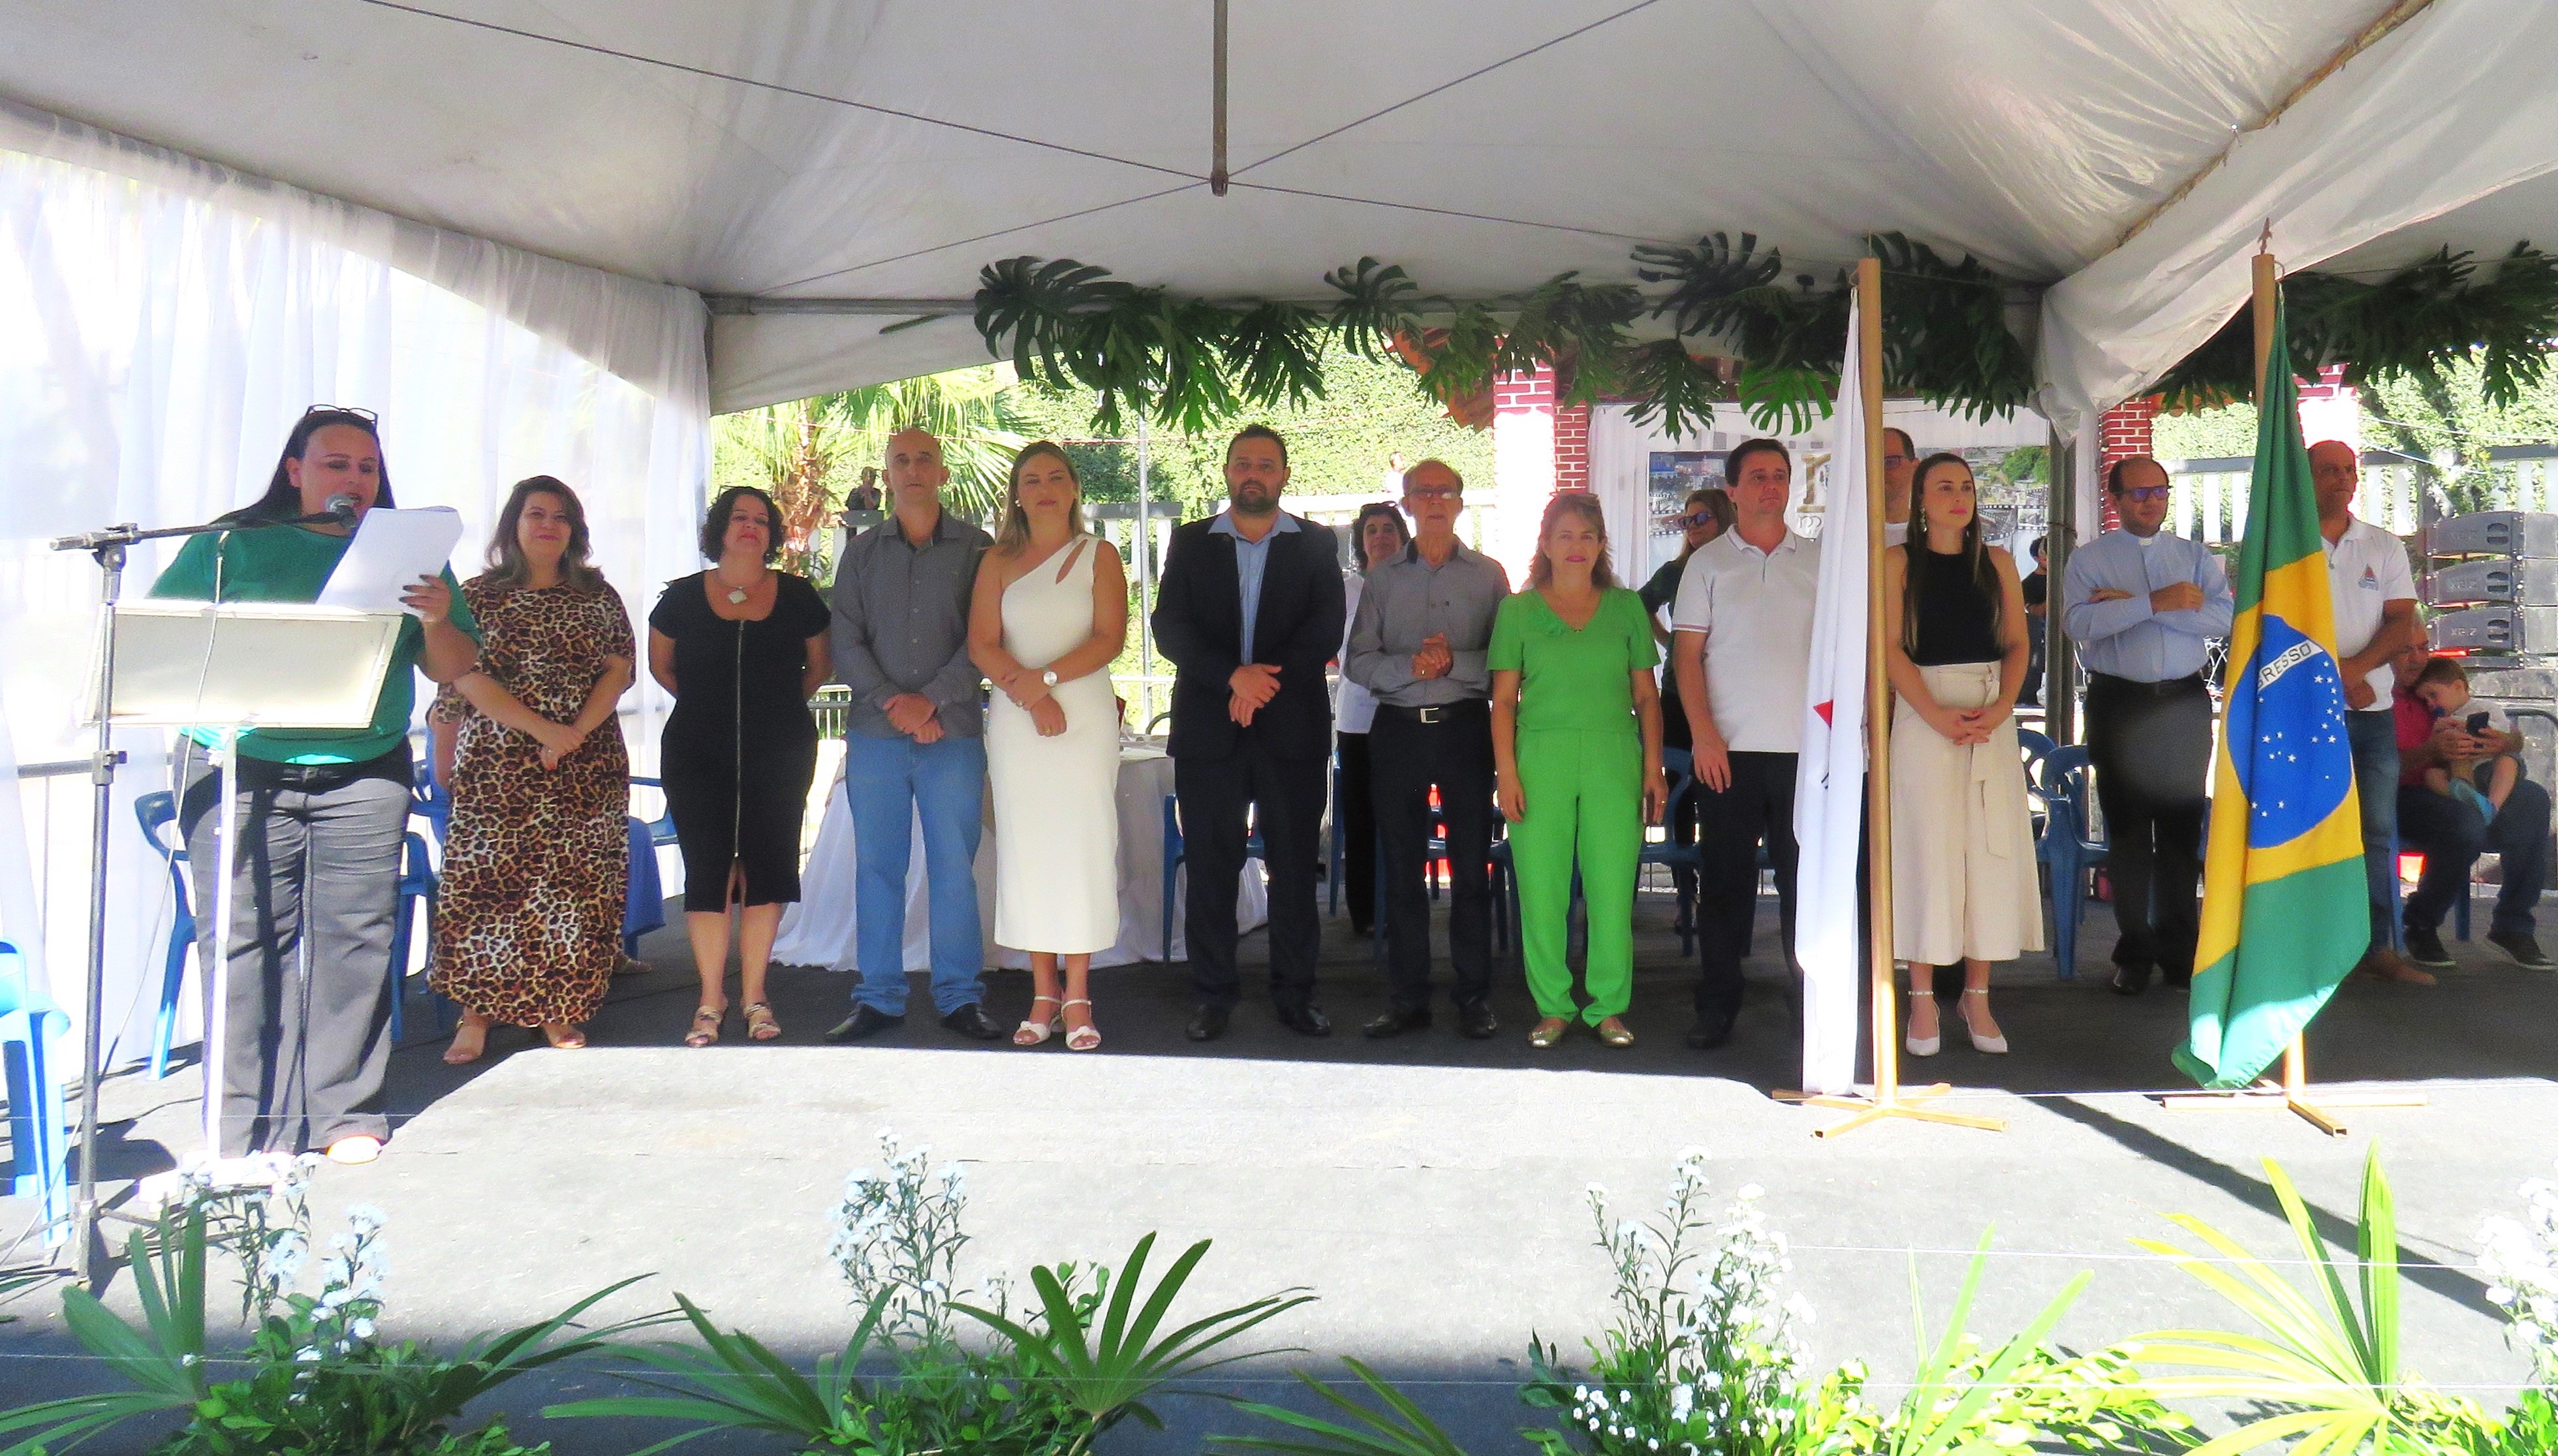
(535, 864)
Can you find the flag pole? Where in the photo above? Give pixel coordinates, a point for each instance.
(2294, 1090)
(1890, 1100)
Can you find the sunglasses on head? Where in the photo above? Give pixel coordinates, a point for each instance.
(358, 410)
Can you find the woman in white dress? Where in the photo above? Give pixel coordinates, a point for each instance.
(1049, 616)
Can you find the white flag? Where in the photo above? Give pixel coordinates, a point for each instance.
(1829, 773)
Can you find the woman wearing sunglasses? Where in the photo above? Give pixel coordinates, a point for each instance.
(322, 816)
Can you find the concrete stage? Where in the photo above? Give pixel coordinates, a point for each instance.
(1431, 1190)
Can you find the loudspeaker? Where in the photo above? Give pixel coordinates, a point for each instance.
(2499, 629)
(2522, 582)
(2494, 534)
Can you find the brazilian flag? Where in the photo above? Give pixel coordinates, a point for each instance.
(2284, 913)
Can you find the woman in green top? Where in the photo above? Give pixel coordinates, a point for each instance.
(322, 816)
(1577, 745)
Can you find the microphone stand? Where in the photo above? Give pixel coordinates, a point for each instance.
(108, 546)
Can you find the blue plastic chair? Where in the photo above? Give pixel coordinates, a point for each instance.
(157, 811)
(417, 885)
(1682, 766)
(39, 1143)
(662, 829)
(1253, 848)
(2066, 848)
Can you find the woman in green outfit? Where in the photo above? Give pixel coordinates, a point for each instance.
(321, 819)
(1577, 744)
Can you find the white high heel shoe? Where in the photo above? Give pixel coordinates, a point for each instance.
(1919, 1046)
(1995, 1046)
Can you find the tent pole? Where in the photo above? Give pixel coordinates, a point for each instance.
(2294, 1090)
(1889, 1098)
(1216, 174)
(1143, 544)
(2059, 688)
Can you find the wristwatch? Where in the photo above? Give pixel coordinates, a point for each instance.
(1049, 677)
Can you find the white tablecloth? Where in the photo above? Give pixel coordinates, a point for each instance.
(818, 931)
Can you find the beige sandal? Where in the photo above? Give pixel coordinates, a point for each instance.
(1033, 1031)
(760, 1025)
(706, 1025)
(1086, 1037)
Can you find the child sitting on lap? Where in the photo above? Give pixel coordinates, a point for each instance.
(2443, 686)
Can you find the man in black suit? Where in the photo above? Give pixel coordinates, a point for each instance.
(1250, 610)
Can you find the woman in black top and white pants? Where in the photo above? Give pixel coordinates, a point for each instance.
(1963, 883)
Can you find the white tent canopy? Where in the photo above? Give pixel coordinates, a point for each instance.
(876, 155)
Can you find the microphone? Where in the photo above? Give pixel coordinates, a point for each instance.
(342, 507)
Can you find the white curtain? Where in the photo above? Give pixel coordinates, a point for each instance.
(162, 321)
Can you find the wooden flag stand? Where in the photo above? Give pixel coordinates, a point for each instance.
(1889, 1097)
(2292, 1093)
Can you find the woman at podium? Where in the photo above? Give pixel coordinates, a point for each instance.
(319, 818)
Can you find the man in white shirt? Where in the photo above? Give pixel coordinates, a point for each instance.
(2374, 597)
(1740, 646)
(2143, 604)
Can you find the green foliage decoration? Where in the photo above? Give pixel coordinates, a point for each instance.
(1198, 362)
(2417, 323)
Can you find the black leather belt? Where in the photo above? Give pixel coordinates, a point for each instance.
(1439, 712)
(2191, 682)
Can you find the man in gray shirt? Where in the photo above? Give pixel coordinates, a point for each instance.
(1420, 644)
(917, 748)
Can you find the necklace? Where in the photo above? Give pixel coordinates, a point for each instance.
(736, 594)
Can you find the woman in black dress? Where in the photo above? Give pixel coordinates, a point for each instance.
(742, 647)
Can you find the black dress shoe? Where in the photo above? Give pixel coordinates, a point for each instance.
(1208, 1024)
(1476, 1022)
(971, 1021)
(2130, 980)
(1708, 1034)
(865, 1021)
(1306, 1021)
(1395, 1023)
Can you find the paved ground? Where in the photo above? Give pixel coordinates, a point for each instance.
(1430, 1190)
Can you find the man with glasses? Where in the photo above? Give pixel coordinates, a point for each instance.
(1421, 644)
(2142, 603)
(2374, 597)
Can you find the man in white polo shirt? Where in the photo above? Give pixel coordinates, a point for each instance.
(2374, 595)
(1741, 645)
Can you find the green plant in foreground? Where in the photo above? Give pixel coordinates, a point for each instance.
(1965, 1400)
(2327, 1363)
(1398, 1428)
(1106, 1371)
(317, 1382)
(734, 1381)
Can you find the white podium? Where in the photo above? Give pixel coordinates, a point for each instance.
(229, 668)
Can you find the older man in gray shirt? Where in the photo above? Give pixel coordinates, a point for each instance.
(916, 749)
(1420, 644)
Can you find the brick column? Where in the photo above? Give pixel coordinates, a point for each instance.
(1572, 447)
(1526, 462)
(2124, 432)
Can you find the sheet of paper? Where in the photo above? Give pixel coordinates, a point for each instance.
(392, 550)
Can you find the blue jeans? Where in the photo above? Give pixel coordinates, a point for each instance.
(890, 782)
(2375, 736)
